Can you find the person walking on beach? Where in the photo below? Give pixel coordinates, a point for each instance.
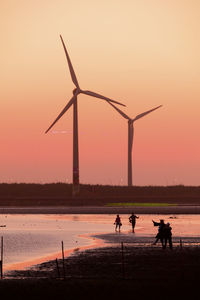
(167, 235)
(132, 220)
(117, 223)
(159, 235)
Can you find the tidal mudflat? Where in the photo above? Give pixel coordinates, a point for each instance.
(30, 239)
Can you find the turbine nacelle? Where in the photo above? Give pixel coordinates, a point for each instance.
(76, 91)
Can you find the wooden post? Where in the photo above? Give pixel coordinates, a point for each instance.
(1, 257)
(123, 271)
(63, 260)
(57, 266)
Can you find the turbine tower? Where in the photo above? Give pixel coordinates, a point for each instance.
(73, 101)
(130, 136)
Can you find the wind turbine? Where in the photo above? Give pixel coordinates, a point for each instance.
(73, 101)
(130, 136)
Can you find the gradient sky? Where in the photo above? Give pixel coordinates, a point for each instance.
(141, 52)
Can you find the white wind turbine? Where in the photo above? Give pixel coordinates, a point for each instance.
(73, 101)
(130, 136)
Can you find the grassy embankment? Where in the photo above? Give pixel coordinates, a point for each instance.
(58, 194)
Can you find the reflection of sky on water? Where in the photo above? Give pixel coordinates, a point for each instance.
(182, 225)
(27, 237)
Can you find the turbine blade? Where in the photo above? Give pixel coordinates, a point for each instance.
(62, 113)
(119, 111)
(71, 69)
(100, 97)
(145, 113)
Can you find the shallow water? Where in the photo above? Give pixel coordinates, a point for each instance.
(28, 237)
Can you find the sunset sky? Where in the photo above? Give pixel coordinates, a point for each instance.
(140, 52)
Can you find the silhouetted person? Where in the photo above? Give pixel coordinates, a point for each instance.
(132, 220)
(117, 223)
(167, 235)
(159, 235)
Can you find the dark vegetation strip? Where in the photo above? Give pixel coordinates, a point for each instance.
(61, 194)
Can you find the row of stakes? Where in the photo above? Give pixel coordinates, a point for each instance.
(122, 252)
(63, 259)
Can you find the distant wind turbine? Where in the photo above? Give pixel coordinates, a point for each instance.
(130, 136)
(73, 101)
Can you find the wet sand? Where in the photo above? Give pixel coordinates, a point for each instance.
(179, 209)
(140, 270)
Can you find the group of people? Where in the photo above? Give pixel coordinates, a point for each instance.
(132, 220)
(164, 230)
(164, 233)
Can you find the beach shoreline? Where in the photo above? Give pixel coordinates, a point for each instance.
(112, 272)
(95, 243)
(140, 269)
(143, 236)
(99, 241)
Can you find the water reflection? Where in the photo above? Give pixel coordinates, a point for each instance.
(27, 237)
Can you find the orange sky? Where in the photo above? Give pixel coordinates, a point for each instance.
(141, 52)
